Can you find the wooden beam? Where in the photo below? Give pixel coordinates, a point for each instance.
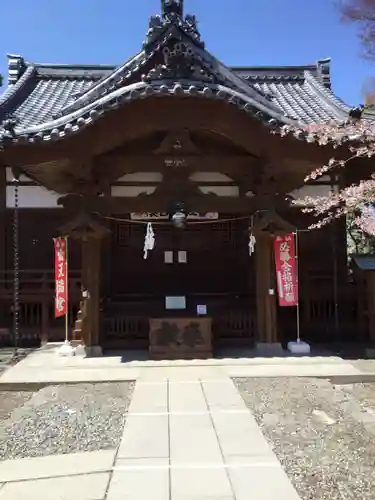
(151, 203)
(115, 165)
(156, 184)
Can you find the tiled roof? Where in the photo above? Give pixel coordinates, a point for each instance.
(47, 102)
(365, 262)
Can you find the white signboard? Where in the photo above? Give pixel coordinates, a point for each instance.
(202, 310)
(165, 216)
(175, 303)
(182, 257)
(168, 257)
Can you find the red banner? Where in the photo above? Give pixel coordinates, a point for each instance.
(61, 278)
(286, 270)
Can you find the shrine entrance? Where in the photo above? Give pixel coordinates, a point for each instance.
(207, 263)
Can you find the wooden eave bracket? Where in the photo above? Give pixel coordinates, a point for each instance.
(84, 226)
(271, 223)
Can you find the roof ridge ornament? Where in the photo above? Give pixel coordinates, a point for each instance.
(172, 15)
(16, 68)
(175, 7)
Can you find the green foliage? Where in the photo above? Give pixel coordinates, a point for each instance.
(358, 241)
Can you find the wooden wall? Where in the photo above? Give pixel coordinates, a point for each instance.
(37, 228)
(218, 272)
(217, 259)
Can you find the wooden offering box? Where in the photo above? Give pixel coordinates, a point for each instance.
(180, 338)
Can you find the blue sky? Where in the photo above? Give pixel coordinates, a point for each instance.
(239, 32)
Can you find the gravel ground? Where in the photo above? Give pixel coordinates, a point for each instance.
(363, 393)
(64, 419)
(10, 401)
(323, 435)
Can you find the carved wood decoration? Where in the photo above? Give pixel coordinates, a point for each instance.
(84, 227)
(177, 158)
(177, 142)
(271, 223)
(148, 203)
(176, 148)
(114, 165)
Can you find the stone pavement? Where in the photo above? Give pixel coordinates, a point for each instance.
(194, 439)
(45, 366)
(187, 436)
(80, 476)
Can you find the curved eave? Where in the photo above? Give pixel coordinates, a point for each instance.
(73, 123)
(14, 91)
(325, 94)
(107, 84)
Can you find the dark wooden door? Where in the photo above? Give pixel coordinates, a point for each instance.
(217, 260)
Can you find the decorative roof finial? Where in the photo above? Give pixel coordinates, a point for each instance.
(172, 6)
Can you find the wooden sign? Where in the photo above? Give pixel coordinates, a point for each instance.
(286, 270)
(61, 278)
(165, 216)
(180, 338)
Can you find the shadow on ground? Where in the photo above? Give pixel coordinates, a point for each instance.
(349, 352)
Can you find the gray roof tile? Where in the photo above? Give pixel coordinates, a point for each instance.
(365, 262)
(49, 92)
(50, 101)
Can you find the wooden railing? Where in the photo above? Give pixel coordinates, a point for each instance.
(126, 324)
(36, 309)
(324, 319)
(235, 327)
(36, 282)
(123, 332)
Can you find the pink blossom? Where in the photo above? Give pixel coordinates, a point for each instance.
(359, 136)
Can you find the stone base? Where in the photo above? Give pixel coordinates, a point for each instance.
(370, 353)
(94, 351)
(265, 349)
(299, 347)
(66, 349)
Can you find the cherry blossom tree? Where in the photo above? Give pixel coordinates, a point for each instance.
(357, 136)
(361, 13)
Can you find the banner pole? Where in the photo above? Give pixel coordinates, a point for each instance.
(297, 279)
(67, 293)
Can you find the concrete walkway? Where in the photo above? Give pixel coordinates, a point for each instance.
(194, 439)
(188, 436)
(45, 366)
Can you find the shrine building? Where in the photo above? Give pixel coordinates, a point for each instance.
(175, 138)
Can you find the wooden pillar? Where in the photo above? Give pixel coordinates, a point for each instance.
(44, 337)
(265, 281)
(370, 285)
(91, 250)
(3, 233)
